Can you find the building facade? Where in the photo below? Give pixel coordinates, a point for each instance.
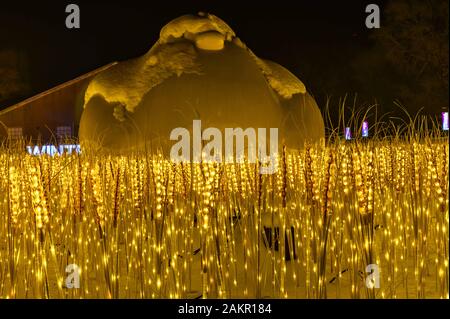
(51, 116)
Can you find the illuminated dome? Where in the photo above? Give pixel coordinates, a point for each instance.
(198, 69)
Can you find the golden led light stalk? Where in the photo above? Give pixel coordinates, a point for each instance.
(140, 226)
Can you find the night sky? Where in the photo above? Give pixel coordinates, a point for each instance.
(316, 40)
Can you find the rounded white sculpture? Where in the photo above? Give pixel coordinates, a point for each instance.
(198, 69)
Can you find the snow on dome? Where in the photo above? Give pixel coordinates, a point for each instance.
(198, 69)
(127, 82)
(281, 80)
(188, 25)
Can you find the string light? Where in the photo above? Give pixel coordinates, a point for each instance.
(142, 226)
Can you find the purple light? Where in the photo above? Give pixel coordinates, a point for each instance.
(365, 129)
(348, 133)
(445, 121)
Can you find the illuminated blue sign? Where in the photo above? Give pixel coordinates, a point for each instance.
(54, 150)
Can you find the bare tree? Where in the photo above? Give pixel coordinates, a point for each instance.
(12, 80)
(414, 36)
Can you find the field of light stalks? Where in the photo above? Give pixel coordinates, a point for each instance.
(141, 226)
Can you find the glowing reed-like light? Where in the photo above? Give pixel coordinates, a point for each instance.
(88, 202)
(365, 129)
(445, 121)
(53, 150)
(348, 134)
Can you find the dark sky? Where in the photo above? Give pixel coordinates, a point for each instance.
(300, 35)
